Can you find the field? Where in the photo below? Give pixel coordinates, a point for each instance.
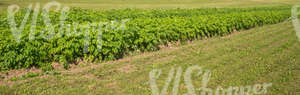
(235, 60)
(146, 4)
(102, 47)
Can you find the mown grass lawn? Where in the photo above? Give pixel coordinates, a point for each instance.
(267, 54)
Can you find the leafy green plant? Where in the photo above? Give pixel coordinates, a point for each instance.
(145, 31)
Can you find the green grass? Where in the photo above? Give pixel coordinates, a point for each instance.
(149, 4)
(267, 54)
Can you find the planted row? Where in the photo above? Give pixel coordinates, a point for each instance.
(139, 34)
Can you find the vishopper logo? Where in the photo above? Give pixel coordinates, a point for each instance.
(17, 31)
(203, 90)
(295, 19)
(49, 29)
(57, 30)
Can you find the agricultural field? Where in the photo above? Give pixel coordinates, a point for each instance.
(152, 4)
(139, 47)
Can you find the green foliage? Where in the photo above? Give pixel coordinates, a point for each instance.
(30, 75)
(26, 76)
(145, 30)
(1, 77)
(46, 67)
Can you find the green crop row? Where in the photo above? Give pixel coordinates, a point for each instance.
(92, 15)
(88, 15)
(140, 33)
